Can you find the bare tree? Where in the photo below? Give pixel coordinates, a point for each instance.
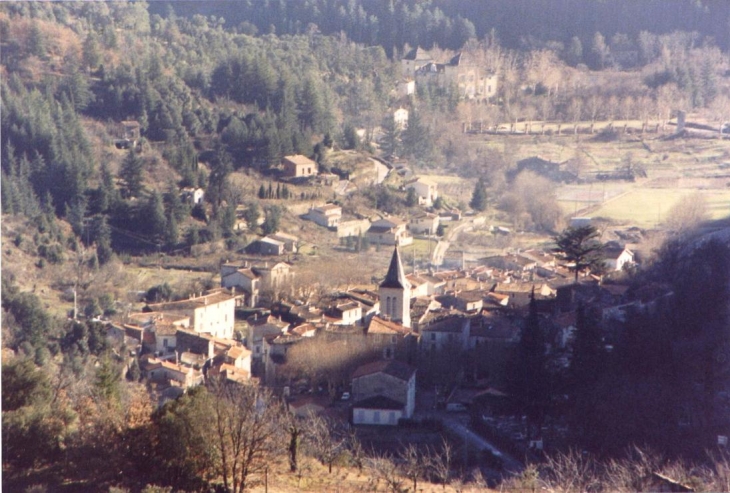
(331, 361)
(572, 472)
(440, 461)
(383, 468)
(247, 432)
(687, 213)
(412, 464)
(327, 440)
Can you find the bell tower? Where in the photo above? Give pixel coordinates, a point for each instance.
(395, 292)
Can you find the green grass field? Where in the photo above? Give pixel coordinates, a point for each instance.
(648, 208)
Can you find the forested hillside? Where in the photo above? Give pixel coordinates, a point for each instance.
(450, 23)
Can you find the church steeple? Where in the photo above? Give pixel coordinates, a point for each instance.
(395, 292)
(396, 277)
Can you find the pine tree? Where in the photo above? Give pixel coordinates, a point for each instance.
(271, 223)
(251, 215)
(417, 140)
(172, 233)
(390, 143)
(580, 248)
(131, 175)
(174, 204)
(411, 197)
(155, 216)
(479, 196)
(102, 238)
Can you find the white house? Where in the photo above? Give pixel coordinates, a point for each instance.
(426, 190)
(400, 118)
(424, 223)
(383, 392)
(328, 215)
(406, 88)
(615, 258)
(349, 313)
(389, 231)
(212, 312)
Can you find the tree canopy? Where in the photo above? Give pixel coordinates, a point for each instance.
(580, 248)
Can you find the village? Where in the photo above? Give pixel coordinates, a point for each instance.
(365, 246)
(424, 342)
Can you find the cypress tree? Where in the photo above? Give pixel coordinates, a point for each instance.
(479, 196)
(529, 379)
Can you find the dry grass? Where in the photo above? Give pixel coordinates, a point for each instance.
(315, 478)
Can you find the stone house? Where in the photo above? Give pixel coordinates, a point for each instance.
(212, 312)
(352, 227)
(253, 279)
(444, 329)
(291, 242)
(328, 215)
(298, 166)
(470, 80)
(383, 392)
(389, 231)
(424, 223)
(393, 338)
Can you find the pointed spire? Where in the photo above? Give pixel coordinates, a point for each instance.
(396, 277)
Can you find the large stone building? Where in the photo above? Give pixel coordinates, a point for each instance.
(461, 72)
(210, 313)
(383, 392)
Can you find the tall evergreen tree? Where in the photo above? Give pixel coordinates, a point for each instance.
(580, 248)
(585, 370)
(102, 237)
(390, 143)
(529, 379)
(479, 196)
(131, 175)
(154, 216)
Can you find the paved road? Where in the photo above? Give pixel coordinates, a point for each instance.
(437, 258)
(511, 464)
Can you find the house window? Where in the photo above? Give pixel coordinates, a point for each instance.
(433, 336)
(391, 417)
(164, 343)
(376, 417)
(360, 416)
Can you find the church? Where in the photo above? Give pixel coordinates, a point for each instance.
(395, 292)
